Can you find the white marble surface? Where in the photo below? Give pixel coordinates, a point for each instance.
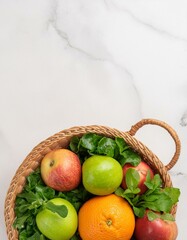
(81, 62)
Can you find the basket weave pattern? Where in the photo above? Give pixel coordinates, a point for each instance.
(62, 139)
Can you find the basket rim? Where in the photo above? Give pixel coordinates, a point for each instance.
(62, 138)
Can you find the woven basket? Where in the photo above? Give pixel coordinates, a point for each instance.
(62, 139)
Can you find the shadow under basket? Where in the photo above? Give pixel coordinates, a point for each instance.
(62, 139)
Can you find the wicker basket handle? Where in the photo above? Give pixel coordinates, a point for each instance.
(170, 130)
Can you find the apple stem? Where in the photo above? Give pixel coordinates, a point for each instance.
(51, 163)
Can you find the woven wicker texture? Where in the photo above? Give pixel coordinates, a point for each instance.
(62, 139)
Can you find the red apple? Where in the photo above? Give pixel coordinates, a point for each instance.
(157, 229)
(142, 169)
(61, 170)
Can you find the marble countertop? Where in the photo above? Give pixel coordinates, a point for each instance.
(105, 62)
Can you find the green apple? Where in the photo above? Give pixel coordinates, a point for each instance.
(101, 175)
(58, 220)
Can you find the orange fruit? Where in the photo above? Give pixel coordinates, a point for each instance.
(107, 217)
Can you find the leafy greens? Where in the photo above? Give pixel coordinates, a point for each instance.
(94, 144)
(156, 198)
(36, 194)
(34, 198)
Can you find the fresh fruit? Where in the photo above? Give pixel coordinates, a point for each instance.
(106, 217)
(157, 229)
(58, 220)
(142, 169)
(61, 170)
(101, 175)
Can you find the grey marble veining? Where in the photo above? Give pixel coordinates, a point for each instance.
(68, 63)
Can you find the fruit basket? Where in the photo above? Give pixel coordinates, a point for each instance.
(62, 140)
